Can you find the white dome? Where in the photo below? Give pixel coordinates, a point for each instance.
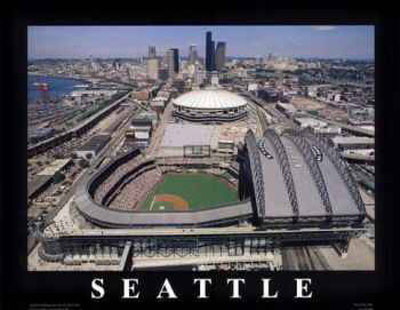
(210, 99)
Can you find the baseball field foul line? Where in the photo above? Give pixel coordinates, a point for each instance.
(152, 202)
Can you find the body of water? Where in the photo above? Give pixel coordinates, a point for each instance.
(58, 87)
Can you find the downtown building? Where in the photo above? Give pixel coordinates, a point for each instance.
(192, 54)
(153, 68)
(172, 60)
(153, 64)
(220, 56)
(152, 52)
(210, 52)
(215, 55)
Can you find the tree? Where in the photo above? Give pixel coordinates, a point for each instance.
(58, 177)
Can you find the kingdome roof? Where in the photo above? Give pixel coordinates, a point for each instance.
(210, 99)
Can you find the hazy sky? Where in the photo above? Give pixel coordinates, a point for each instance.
(133, 41)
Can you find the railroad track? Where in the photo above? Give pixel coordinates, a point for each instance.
(32, 241)
(321, 260)
(303, 258)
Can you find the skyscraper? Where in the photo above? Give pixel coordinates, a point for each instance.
(210, 53)
(152, 52)
(192, 54)
(116, 65)
(172, 57)
(153, 68)
(220, 56)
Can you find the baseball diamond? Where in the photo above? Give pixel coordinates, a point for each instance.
(166, 202)
(188, 191)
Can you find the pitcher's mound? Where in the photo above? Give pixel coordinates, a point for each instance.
(176, 202)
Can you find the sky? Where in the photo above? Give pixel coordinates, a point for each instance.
(355, 42)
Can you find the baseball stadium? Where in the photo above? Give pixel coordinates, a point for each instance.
(275, 186)
(271, 189)
(280, 188)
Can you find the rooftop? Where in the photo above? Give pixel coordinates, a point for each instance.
(210, 99)
(307, 192)
(288, 106)
(352, 140)
(96, 143)
(54, 166)
(308, 121)
(38, 182)
(178, 135)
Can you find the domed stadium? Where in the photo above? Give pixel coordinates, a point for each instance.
(210, 105)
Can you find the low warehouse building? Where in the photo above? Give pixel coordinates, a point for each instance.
(344, 143)
(93, 147)
(140, 130)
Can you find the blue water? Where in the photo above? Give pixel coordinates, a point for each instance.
(58, 87)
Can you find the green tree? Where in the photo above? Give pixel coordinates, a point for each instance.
(58, 177)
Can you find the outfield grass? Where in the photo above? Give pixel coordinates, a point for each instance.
(200, 190)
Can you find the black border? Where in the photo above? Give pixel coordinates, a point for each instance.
(334, 290)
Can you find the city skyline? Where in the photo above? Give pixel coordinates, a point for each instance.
(352, 42)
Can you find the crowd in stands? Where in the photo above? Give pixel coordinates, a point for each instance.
(128, 196)
(136, 190)
(114, 177)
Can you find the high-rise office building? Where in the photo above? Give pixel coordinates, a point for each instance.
(212, 55)
(153, 68)
(220, 56)
(169, 60)
(152, 52)
(94, 66)
(176, 60)
(210, 52)
(172, 57)
(116, 64)
(192, 54)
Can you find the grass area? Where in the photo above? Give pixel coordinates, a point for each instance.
(200, 190)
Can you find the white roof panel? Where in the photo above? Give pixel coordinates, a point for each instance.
(210, 99)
